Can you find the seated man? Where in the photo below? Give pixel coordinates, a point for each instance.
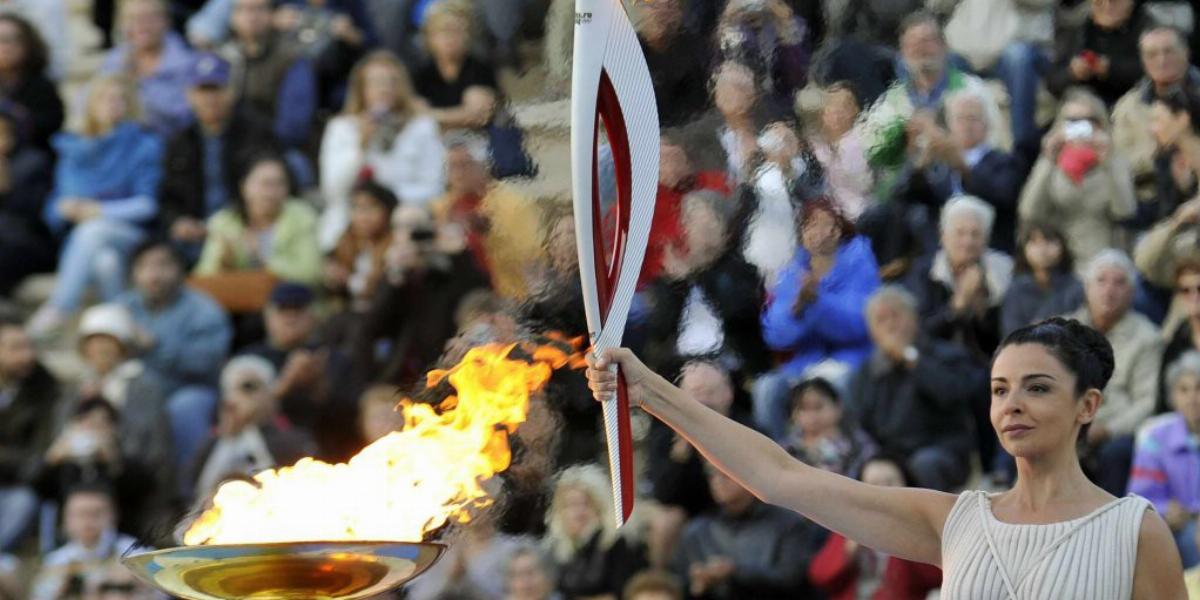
(185, 335)
(251, 433)
(1132, 392)
(90, 524)
(745, 548)
(913, 396)
(158, 59)
(313, 386)
(200, 162)
(29, 401)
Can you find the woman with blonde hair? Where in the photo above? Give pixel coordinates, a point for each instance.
(460, 88)
(106, 179)
(592, 557)
(1080, 180)
(382, 129)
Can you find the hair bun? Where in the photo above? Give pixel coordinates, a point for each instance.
(1094, 342)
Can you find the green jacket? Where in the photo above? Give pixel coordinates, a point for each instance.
(293, 255)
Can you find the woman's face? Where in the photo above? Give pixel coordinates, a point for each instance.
(527, 579)
(145, 25)
(1034, 409)
(839, 114)
(265, 189)
(1078, 111)
(820, 234)
(379, 87)
(964, 240)
(448, 39)
(817, 415)
(109, 106)
(579, 513)
(1187, 288)
(1185, 397)
(704, 232)
(12, 47)
(1043, 253)
(883, 473)
(368, 217)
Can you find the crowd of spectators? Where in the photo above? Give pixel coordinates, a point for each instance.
(266, 219)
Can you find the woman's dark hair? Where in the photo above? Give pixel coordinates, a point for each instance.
(155, 243)
(1082, 350)
(37, 57)
(818, 384)
(1049, 231)
(1179, 99)
(824, 203)
(379, 193)
(247, 166)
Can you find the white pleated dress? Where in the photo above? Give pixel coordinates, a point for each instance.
(1089, 558)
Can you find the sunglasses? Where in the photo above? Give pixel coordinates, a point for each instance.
(116, 587)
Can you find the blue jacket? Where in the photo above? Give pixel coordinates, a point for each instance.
(121, 170)
(834, 325)
(191, 337)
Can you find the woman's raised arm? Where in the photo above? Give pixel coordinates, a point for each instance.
(901, 522)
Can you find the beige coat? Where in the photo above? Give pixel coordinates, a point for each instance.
(1131, 133)
(1131, 393)
(1087, 213)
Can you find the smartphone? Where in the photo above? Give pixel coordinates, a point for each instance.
(1078, 129)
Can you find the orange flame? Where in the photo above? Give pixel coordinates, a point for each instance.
(407, 483)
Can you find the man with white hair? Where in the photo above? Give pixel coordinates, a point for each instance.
(501, 223)
(251, 433)
(1137, 345)
(961, 159)
(960, 287)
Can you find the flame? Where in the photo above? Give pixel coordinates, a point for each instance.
(407, 483)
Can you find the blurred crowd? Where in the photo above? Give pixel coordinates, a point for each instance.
(266, 220)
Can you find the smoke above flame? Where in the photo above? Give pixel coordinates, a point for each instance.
(406, 484)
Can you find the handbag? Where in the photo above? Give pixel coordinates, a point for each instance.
(979, 30)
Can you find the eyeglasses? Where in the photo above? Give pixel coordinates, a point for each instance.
(116, 587)
(249, 386)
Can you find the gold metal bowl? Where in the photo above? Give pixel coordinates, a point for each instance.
(286, 571)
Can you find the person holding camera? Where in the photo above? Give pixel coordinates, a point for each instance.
(428, 273)
(1079, 181)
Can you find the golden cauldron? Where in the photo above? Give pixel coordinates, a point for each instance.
(284, 571)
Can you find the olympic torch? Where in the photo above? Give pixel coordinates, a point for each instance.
(611, 87)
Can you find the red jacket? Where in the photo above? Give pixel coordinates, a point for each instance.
(832, 571)
(666, 228)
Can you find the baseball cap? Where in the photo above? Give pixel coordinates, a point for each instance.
(208, 69)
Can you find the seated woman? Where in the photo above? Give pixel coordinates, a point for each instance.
(460, 88)
(1079, 181)
(820, 436)
(264, 229)
(1165, 460)
(845, 570)
(1044, 282)
(592, 555)
(840, 149)
(357, 264)
(381, 127)
(816, 311)
(105, 185)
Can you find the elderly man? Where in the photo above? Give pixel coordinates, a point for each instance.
(157, 59)
(1137, 345)
(1164, 53)
(914, 394)
(931, 79)
(962, 160)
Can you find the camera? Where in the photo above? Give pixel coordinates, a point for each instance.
(422, 234)
(1077, 130)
